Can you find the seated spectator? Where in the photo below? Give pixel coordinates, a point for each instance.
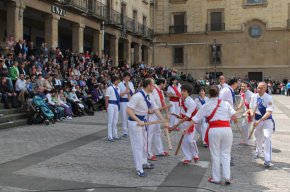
(67, 106)
(48, 85)
(21, 89)
(14, 72)
(98, 97)
(55, 105)
(3, 70)
(85, 100)
(76, 101)
(40, 81)
(7, 93)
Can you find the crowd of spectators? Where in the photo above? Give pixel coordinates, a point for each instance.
(72, 83)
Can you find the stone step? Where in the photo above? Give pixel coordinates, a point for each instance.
(14, 123)
(14, 116)
(10, 111)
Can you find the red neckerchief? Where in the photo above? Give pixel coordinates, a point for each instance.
(160, 96)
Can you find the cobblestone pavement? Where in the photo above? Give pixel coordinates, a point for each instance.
(75, 155)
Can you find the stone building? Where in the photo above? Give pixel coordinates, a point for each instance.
(78, 25)
(234, 37)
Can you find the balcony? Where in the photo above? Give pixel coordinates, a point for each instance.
(97, 9)
(80, 5)
(215, 27)
(176, 29)
(114, 17)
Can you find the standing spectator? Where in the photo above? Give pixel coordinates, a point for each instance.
(10, 43)
(9, 60)
(19, 47)
(288, 88)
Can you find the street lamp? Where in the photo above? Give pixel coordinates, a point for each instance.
(103, 36)
(214, 52)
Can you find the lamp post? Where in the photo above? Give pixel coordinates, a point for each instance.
(214, 52)
(103, 36)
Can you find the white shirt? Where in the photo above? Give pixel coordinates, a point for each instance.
(171, 90)
(226, 95)
(110, 92)
(122, 88)
(58, 82)
(199, 105)
(247, 96)
(190, 104)
(221, 86)
(267, 102)
(223, 113)
(138, 104)
(156, 97)
(20, 84)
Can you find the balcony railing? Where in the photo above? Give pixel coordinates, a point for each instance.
(81, 5)
(96, 8)
(215, 27)
(175, 29)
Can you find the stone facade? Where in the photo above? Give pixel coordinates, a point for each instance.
(79, 22)
(240, 53)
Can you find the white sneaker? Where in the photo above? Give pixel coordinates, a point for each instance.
(68, 117)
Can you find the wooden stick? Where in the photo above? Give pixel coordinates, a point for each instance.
(179, 145)
(252, 128)
(168, 138)
(152, 123)
(179, 117)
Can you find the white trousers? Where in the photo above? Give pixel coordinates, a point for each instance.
(220, 145)
(263, 133)
(124, 116)
(188, 146)
(155, 145)
(137, 139)
(201, 129)
(113, 115)
(175, 109)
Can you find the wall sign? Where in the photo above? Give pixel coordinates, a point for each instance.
(57, 10)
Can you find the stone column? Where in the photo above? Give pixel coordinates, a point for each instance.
(127, 51)
(114, 49)
(78, 38)
(51, 30)
(97, 42)
(137, 52)
(15, 20)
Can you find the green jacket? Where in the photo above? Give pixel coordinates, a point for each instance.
(13, 73)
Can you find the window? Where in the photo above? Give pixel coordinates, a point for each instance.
(215, 20)
(178, 23)
(178, 55)
(256, 1)
(215, 55)
(255, 31)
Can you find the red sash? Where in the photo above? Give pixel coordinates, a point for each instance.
(160, 96)
(191, 129)
(174, 99)
(247, 106)
(208, 120)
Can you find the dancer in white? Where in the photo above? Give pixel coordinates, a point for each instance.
(155, 145)
(174, 94)
(219, 134)
(188, 110)
(113, 107)
(246, 95)
(126, 91)
(262, 107)
(201, 126)
(137, 109)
